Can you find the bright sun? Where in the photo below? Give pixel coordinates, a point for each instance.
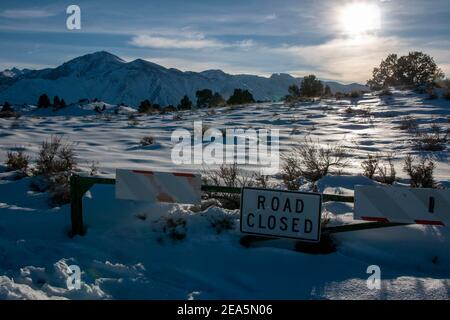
(360, 18)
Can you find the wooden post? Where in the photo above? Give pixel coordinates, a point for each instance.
(76, 206)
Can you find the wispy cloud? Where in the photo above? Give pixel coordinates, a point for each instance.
(345, 59)
(25, 13)
(155, 41)
(240, 18)
(186, 41)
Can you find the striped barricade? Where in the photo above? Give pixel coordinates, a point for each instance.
(155, 186)
(402, 205)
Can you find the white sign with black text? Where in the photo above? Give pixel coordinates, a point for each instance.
(283, 214)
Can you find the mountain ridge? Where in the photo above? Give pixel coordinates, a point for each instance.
(111, 79)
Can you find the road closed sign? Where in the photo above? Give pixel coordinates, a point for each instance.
(283, 214)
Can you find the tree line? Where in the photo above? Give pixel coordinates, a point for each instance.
(44, 102)
(206, 98)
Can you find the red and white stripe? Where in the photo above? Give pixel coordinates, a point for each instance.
(156, 186)
(403, 205)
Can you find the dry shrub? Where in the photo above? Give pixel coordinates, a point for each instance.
(177, 116)
(365, 113)
(59, 188)
(55, 156)
(232, 176)
(133, 121)
(17, 160)
(147, 141)
(56, 162)
(291, 172)
(379, 168)
(408, 123)
(311, 161)
(370, 166)
(435, 139)
(261, 181)
(174, 228)
(420, 171)
(386, 171)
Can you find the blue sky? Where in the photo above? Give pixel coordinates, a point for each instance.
(327, 38)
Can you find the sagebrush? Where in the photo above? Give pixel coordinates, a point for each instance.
(17, 160)
(55, 156)
(311, 161)
(232, 176)
(433, 139)
(420, 171)
(147, 141)
(56, 161)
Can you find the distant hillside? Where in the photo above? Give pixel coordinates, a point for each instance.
(109, 78)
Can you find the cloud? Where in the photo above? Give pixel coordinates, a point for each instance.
(163, 42)
(26, 14)
(187, 41)
(239, 18)
(344, 59)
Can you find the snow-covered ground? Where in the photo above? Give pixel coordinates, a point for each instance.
(127, 252)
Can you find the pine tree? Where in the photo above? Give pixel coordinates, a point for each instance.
(294, 91)
(185, 103)
(44, 101)
(204, 98)
(145, 106)
(217, 100)
(56, 102)
(240, 97)
(311, 87)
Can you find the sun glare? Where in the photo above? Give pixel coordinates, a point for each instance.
(358, 19)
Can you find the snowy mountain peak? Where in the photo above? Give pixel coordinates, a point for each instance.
(284, 76)
(99, 56)
(215, 72)
(13, 72)
(141, 63)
